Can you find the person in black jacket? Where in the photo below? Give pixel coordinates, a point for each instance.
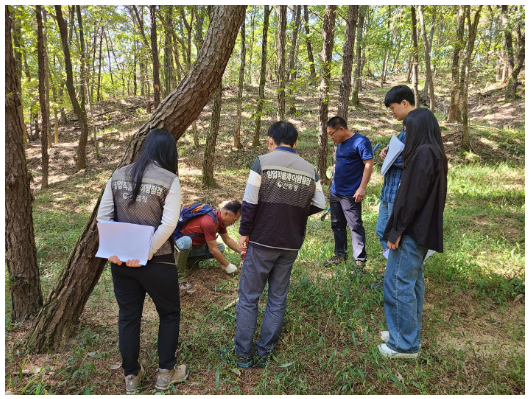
(415, 225)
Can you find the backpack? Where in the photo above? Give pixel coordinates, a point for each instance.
(189, 211)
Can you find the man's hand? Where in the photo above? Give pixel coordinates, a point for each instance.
(243, 242)
(359, 195)
(129, 262)
(395, 245)
(383, 153)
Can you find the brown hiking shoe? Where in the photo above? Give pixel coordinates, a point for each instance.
(335, 260)
(167, 377)
(132, 381)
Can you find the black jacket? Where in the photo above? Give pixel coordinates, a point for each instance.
(420, 199)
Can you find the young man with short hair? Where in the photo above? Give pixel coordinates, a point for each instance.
(199, 240)
(352, 174)
(282, 191)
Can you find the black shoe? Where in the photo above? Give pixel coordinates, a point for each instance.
(262, 361)
(335, 260)
(228, 355)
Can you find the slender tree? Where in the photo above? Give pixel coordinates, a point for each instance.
(348, 56)
(355, 101)
(155, 57)
(261, 87)
(46, 82)
(459, 45)
(292, 72)
(237, 143)
(326, 59)
(42, 97)
(281, 55)
(427, 58)
(73, 288)
(415, 36)
(21, 254)
(18, 69)
(309, 44)
(210, 145)
(510, 90)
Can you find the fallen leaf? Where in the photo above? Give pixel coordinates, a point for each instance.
(116, 366)
(518, 297)
(399, 376)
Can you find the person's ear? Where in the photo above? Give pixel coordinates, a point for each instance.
(295, 144)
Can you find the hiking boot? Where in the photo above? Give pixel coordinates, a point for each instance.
(262, 361)
(184, 286)
(132, 382)
(165, 377)
(228, 355)
(389, 353)
(335, 260)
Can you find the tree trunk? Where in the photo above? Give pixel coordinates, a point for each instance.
(46, 83)
(21, 254)
(292, 73)
(237, 143)
(281, 55)
(309, 44)
(155, 57)
(250, 77)
(99, 96)
(472, 30)
(430, 42)
(42, 97)
(427, 58)
(510, 90)
(79, 111)
(355, 101)
(210, 145)
(415, 55)
(459, 44)
(261, 88)
(18, 73)
(326, 58)
(348, 55)
(72, 290)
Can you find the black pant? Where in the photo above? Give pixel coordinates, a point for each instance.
(161, 282)
(344, 210)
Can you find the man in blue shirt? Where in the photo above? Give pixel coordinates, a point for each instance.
(352, 173)
(401, 101)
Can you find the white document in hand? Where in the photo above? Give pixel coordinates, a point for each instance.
(393, 151)
(125, 240)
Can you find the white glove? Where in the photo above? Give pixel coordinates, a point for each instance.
(230, 268)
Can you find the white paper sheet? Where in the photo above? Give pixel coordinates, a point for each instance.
(393, 151)
(125, 240)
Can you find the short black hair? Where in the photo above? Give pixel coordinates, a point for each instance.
(337, 122)
(234, 206)
(283, 132)
(399, 93)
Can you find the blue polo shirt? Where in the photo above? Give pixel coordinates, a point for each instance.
(350, 155)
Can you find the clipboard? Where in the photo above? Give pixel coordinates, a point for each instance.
(393, 151)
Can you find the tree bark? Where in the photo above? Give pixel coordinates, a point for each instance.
(46, 83)
(99, 96)
(42, 97)
(326, 58)
(292, 73)
(415, 55)
(18, 73)
(281, 55)
(71, 292)
(348, 56)
(210, 145)
(237, 142)
(21, 255)
(459, 45)
(155, 57)
(510, 90)
(355, 101)
(309, 44)
(250, 77)
(472, 30)
(261, 87)
(430, 42)
(427, 58)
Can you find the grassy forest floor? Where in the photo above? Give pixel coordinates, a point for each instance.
(474, 313)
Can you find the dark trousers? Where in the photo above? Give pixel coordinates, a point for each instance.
(344, 210)
(161, 282)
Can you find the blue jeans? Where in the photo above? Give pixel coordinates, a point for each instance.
(383, 216)
(403, 293)
(262, 265)
(187, 250)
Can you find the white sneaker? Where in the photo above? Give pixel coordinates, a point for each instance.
(389, 353)
(385, 336)
(230, 268)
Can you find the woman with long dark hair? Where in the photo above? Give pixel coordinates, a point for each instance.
(148, 192)
(415, 225)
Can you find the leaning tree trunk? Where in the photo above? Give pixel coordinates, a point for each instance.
(326, 58)
(281, 48)
(21, 254)
(155, 57)
(237, 142)
(415, 36)
(82, 271)
(355, 100)
(210, 145)
(454, 96)
(309, 44)
(348, 55)
(261, 87)
(79, 111)
(427, 57)
(42, 98)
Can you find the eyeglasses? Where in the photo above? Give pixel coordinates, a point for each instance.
(331, 134)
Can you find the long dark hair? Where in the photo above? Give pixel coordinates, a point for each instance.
(160, 147)
(422, 128)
